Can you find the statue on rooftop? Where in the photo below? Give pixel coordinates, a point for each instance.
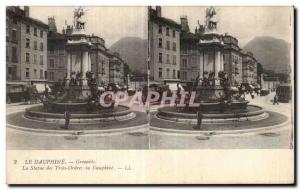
(79, 20)
(210, 18)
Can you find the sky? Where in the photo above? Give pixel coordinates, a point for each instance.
(244, 23)
(113, 23)
(110, 23)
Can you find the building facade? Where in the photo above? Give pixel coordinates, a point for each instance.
(249, 69)
(164, 39)
(202, 54)
(189, 57)
(233, 60)
(14, 17)
(57, 62)
(99, 59)
(116, 69)
(26, 46)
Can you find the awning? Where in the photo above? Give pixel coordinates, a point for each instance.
(173, 87)
(101, 88)
(41, 87)
(16, 83)
(251, 86)
(234, 89)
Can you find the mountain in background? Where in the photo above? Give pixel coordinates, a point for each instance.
(134, 51)
(272, 53)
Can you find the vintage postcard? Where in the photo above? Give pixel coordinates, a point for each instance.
(150, 95)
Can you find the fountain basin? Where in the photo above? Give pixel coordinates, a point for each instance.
(120, 113)
(251, 113)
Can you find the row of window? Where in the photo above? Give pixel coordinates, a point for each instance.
(160, 31)
(35, 31)
(160, 59)
(35, 61)
(14, 56)
(12, 73)
(101, 69)
(236, 59)
(184, 63)
(58, 51)
(184, 75)
(14, 20)
(35, 45)
(167, 44)
(13, 36)
(35, 73)
(168, 76)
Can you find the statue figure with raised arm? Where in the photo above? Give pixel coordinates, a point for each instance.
(210, 18)
(79, 19)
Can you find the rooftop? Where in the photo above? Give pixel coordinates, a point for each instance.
(16, 10)
(158, 19)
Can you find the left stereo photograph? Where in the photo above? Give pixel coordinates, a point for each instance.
(76, 78)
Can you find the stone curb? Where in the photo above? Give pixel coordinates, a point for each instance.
(215, 121)
(218, 132)
(129, 116)
(79, 132)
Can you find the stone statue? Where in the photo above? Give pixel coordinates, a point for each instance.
(211, 21)
(79, 20)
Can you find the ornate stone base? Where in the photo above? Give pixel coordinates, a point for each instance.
(209, 93)
(75, 94)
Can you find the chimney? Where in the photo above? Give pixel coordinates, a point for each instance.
(184, 24)
(26, 11)
(158, 11)
(52, 24)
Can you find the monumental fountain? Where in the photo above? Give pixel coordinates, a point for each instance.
(216, 98)
(78, 95)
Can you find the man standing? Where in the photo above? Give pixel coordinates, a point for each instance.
(199, 119)
(275, 101)
(67, 119)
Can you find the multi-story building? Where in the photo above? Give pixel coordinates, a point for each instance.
(26, 46)
(189, 55)
(14, 17)
(233, 60)
(57, 62)
(202, 53)
(164, 39)
(116, 69)
(34, 48)
(99, 59)
(249, 69)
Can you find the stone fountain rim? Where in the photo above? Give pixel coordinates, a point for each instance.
(74, 115)
(218, 115)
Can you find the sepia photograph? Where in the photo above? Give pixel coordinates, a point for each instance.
(60, 62)
(150, 94)
(223, 77)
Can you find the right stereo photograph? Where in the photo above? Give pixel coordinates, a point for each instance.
(221, 77)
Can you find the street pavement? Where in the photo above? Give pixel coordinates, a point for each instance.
(145, 139)
(275, 139)
(19, 140)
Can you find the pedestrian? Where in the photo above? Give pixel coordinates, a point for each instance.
(275, 100)
(67, 116)
(199, 119)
